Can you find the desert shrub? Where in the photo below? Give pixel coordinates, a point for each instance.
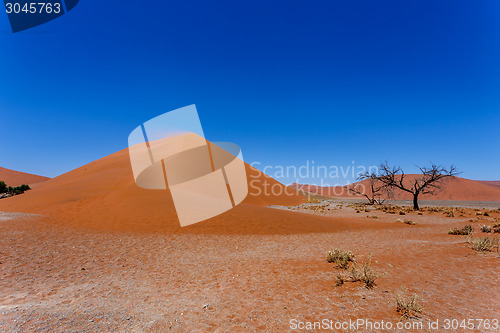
(402, 213)
(486, 214)
(483, 244)
(467, 230)
(406, 221)
(486, 228)
(408, 307)
(496, 225)
(450, 214)
(340, 257)
(365, 274)
(496, 230)
(3, 187)
(372, 216)
(312, 200)
(339, 280)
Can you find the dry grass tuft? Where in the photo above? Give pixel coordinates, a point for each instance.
(467, 230)
(340, 257)
(485, 228)
(365, 274)
(406, 221)
(408, 307)
(339, 280)
(483, 244)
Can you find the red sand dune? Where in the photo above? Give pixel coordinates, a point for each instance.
(490, 182)
(460, 189)
(102, 195)
(16, 178)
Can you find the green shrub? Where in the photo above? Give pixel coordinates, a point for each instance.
(3, 187)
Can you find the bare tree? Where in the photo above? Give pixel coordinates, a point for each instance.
(431, 179)
(377, 193)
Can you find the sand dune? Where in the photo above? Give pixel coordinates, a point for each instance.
(454, 189)
(103, 196)
(16, 178)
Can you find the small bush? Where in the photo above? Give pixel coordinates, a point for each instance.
(365, 274)
(496, 230)
(372, 216)
(483, 244)
(486, 214)
(339, 280)
(408, 307)
(467, 230)
(486, 228)
(402, 213)
(340, 257)
(312, 200)
(406, 221)
(496, 225)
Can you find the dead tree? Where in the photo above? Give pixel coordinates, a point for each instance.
(430, 180)
(376, 194)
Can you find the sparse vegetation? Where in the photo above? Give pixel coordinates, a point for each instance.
(8, 191)
(312, 200)
(486, 228)
(467, 230)
(339, 280)
(408, 307)
(340, 257)
(406, 221)
(365, 274)
(483, 244)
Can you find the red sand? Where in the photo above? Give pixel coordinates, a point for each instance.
(459, 189)
(110, 256)
(102, 195)
(16, 178)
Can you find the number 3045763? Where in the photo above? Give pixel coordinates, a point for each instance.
(33, 8)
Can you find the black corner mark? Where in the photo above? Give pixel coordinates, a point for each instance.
(26, 14)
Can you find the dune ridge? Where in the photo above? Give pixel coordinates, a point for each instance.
(459, 189)
(16, 178)
(102, 196)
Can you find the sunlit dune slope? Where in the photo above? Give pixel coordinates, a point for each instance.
(16, 178)
(103, 196)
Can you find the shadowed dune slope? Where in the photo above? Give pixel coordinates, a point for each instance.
(102, 196)
(460, 189)
(16, 178)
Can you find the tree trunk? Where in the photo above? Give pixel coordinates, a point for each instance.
(415, 202)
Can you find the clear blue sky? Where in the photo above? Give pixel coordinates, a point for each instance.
(289, 81)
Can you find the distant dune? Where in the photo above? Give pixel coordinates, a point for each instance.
(16, 178)
(490, 182)
(103, 196)
(454, 189)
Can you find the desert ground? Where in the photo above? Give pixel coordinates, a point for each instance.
(89, 251)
